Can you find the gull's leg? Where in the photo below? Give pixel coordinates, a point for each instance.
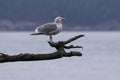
(51, 38)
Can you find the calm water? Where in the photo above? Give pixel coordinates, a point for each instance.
(100, 60)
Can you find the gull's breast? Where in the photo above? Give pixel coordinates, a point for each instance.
(58, 29)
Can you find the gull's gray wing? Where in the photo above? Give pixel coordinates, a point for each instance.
(47, 28)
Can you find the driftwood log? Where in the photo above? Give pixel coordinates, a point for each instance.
(60, 47)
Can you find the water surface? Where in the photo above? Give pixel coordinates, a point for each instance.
(100, 60)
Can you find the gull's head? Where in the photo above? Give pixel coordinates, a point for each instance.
(59, 19)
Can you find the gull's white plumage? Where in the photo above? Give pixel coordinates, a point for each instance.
(50, 29)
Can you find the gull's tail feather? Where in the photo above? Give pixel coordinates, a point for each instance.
(36, 34)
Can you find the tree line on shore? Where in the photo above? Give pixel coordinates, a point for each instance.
(79, 14)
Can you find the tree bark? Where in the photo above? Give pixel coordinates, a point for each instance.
(60, 47)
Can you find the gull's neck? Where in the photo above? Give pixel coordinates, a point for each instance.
(59, 25)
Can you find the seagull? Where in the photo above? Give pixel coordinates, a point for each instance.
(50, 29)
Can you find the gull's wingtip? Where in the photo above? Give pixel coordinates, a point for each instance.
(35, 33)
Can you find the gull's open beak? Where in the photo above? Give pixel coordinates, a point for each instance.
(62, 18)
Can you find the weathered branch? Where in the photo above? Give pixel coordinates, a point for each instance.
(71, 46)
(60, 47)
(72, 39)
